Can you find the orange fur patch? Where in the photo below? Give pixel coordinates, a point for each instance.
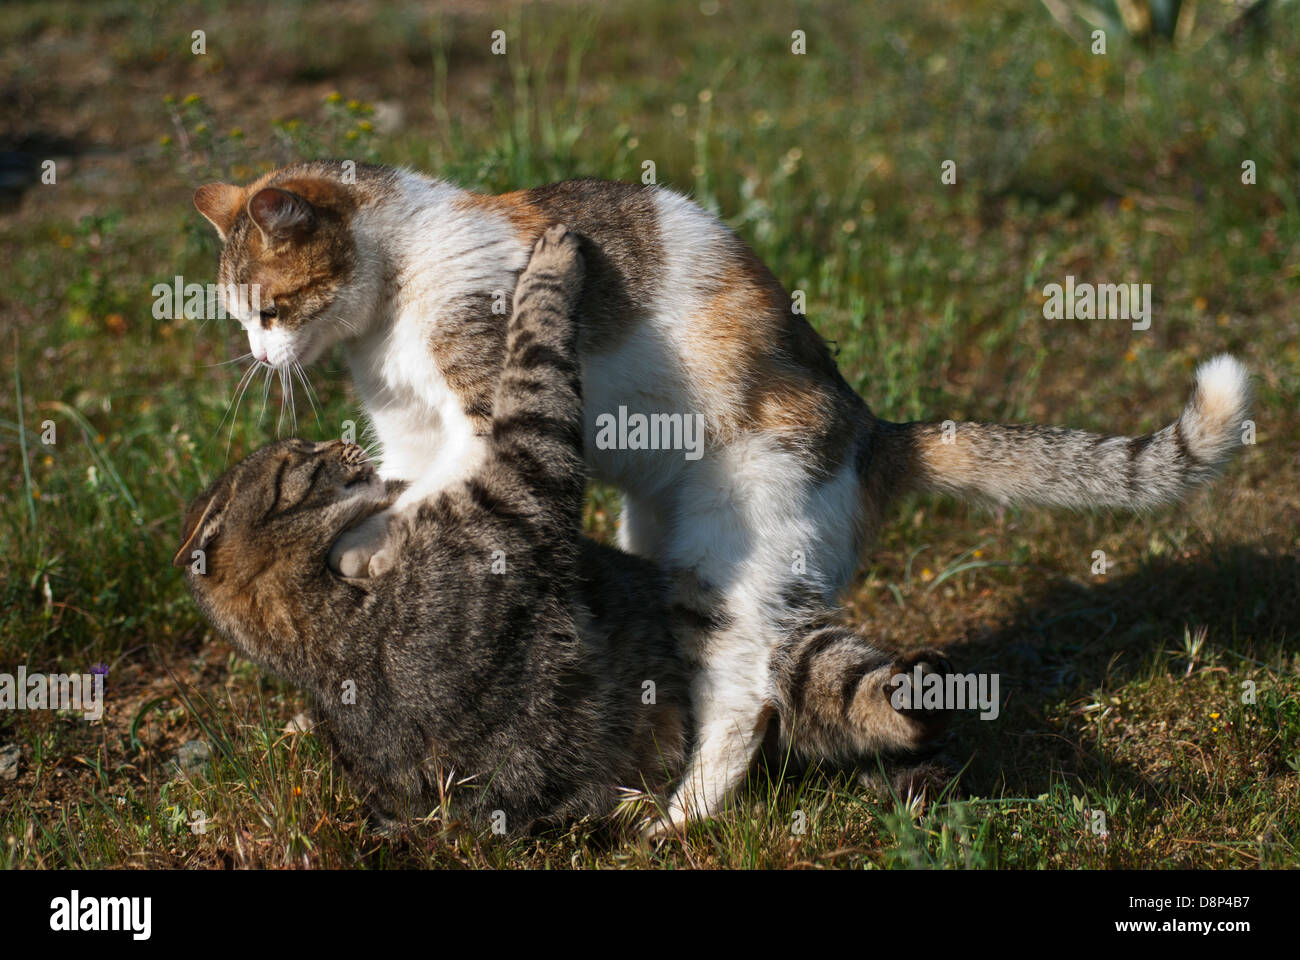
(765, 369)
(525, 216)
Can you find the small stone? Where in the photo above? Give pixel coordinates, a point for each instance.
(192, 756)
(9, 755)
(301, 723)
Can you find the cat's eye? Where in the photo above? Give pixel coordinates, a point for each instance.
(268, 314)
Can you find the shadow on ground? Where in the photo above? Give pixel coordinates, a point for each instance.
(1071, 639)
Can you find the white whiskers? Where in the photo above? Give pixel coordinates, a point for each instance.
(289, 374)
(306, 384)
(225, 363)
(232, 409)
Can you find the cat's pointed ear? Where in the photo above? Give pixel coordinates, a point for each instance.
(202, 523)
(279, 214)
(220, 203)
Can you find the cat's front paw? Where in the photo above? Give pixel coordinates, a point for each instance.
(362, 551)
(557, 247)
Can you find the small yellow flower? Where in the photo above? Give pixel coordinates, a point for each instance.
(1221, 319)
(192, 99)
(365, 125)
(169, 99)
(927, 574)
(354, 104)
(165, 140)
(65, 242)
(201, 128)
(36, 494)
(977, 554)
(1200, 303)
(1130, 356)
(1214, 716)
(334, 97)
(352, 135)
(1126, 204)
(236, 133)
(48, 460)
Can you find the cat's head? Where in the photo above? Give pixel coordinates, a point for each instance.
(289, 246)
(256, 542)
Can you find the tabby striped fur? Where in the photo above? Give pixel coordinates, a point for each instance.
(543, 688)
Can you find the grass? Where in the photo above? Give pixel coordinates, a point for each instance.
(1123, 693)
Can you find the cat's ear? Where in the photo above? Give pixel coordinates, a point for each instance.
(279, 214)
(202, 523)
(220, 203)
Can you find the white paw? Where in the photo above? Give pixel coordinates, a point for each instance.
(665, 824)
(659, 829)
(360, 551)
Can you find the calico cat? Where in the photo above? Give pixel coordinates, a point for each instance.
(680, 317)
(497, 650)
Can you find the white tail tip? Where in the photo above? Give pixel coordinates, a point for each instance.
(1223, 383)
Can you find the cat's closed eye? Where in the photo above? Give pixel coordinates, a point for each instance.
(295, 479)
(308, 473)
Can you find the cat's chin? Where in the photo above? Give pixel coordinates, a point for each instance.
(303, 351)
(312, 349)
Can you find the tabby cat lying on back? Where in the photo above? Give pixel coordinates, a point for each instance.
(679, 317)
(539, 687)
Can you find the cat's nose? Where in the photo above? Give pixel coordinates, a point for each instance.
(259, 354)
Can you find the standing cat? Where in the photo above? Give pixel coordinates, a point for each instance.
(680, 317)
(497, 649)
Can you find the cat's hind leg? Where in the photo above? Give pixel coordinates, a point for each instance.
(643, 526)
(760, 535)
(732, 719)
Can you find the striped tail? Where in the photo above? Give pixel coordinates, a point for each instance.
(1012, 464)
(833, 687)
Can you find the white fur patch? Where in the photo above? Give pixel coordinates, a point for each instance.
(1223, 383)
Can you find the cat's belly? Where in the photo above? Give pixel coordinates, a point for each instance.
(642, 429)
